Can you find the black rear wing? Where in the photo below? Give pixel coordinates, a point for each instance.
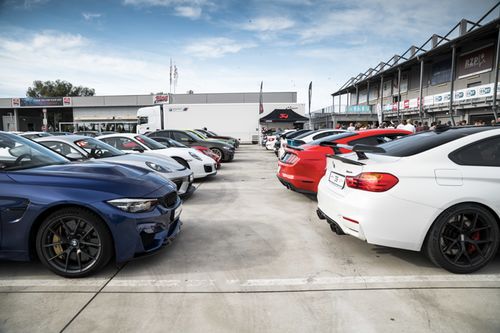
(359, 149)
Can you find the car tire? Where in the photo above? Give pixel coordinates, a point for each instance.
(463, 239)
(218, 152)
(74, 243)
(182, 162)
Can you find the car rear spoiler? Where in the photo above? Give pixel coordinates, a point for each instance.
(294, 148)
(359, 149)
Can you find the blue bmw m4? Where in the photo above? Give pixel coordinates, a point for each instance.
(76, 217)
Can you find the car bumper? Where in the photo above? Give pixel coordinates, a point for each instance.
(378, 218)
(139, 234)
(228, 155)
(290, 178)
(202, 170)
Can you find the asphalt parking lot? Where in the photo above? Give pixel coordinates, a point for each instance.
(254, 257)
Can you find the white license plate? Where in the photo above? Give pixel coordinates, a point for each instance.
(337, 179)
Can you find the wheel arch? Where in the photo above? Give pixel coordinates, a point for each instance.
(52, 209)
(488, 208)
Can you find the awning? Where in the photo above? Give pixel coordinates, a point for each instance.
(283, 116)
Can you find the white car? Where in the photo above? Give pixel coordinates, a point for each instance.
(435, 191)
(199, 163)
(289, 136)
(311, 136)
(81, 148)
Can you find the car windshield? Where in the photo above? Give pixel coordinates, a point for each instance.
(420, 142)
(150, 143)
(199, 134)
(98, 149)
(17, 153)
(331, 138)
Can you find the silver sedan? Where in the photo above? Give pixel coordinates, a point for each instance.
(78, 147)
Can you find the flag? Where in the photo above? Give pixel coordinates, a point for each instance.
(176, 76)
(261, 105)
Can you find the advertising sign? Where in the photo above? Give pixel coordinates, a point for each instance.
(34, 101)
(359, 108)
(160, 99)
(475, 62)
(413, 103)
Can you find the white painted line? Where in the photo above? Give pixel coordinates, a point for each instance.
(19, 283)
(333, 282)
(311, 281)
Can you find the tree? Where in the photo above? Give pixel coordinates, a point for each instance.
(57, 88)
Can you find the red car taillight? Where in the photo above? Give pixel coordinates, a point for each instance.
(372, 181)
(289, 158)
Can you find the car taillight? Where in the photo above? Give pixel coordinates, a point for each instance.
(372, 181)
(289, 158)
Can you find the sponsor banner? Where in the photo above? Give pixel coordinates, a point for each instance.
(428, 100)
(475, 62)
(413, 103)
(359, 109)
(406, 104)
(160, 99)
(395, 106)
(35, 101)
(442, 98)
(388, 107)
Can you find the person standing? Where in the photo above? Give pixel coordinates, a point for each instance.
(409, 126)
(351, 127)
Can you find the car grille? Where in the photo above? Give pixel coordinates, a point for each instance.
(208, 168)
(169, 200)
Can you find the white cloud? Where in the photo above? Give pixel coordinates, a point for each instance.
(191, 9)
(54, 55)
(215, 47)
(268, 24)
(91, 16)
(189, 12)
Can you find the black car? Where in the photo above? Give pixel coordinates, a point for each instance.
(222, 149)
(212, 135)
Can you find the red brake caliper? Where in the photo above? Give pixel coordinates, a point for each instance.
(475, 236)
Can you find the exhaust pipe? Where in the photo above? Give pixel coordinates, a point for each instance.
(336, 228)
(320, 214)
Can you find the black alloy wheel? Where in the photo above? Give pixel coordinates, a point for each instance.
(74, 242)
(463, 239)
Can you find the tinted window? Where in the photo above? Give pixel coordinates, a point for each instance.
(333, 138)
(483, 153)
(376, 139)
(62, 148)
(150, 143)
(420, 142)
(322, 135)
(122, 143)
(182, 137)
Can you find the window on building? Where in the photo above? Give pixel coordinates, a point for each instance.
(441, 72)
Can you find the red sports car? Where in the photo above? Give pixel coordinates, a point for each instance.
(301, 168)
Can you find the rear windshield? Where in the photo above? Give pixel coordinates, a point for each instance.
(332, 138)
(297, 134)
(420, 142)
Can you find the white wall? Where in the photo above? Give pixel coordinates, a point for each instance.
(239, 120)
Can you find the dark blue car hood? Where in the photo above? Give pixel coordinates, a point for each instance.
(119, 179)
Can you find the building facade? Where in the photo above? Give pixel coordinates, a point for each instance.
(448, 78)
(109, 113)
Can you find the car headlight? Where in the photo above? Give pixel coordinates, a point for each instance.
(191, 178)
(227, 147)
(193, 155)
(133, 205)
(157, 167)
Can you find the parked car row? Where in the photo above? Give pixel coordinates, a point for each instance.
(435, 191)
(75, 202)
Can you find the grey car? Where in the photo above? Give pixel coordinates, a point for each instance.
(78, 147)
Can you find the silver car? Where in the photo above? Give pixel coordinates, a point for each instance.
(78, 147)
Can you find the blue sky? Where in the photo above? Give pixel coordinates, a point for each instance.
(124, 46)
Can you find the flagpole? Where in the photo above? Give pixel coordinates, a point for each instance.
(170, 91)
(310, 96)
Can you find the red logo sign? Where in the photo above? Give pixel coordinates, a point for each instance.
(283, 116)
(160, 99)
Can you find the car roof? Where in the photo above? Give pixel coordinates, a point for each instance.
(66, 138)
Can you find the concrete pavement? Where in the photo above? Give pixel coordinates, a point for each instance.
(254, 257)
